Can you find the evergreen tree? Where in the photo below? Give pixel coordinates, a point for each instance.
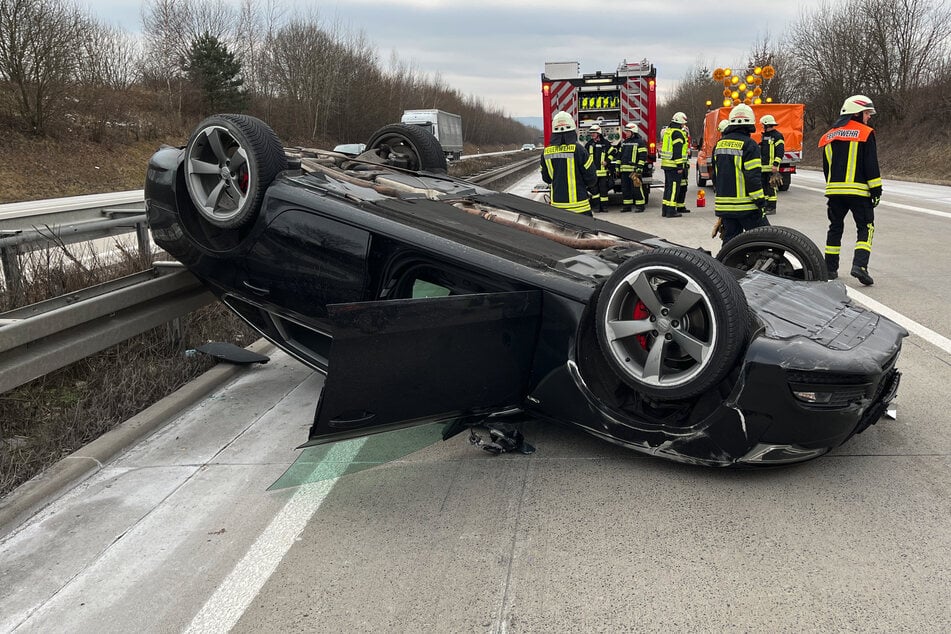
(215, 73)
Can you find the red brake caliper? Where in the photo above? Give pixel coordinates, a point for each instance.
(243, 181)
(641, 312)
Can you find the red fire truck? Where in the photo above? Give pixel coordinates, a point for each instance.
(611, 100)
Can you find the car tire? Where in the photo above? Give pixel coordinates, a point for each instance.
(410, 147)
(701, 181)
(786, 179)
(779, 251)
(661, 342)
(230, 160)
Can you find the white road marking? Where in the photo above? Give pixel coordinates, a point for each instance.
(226, 606)
(909, 324)
(887, 203)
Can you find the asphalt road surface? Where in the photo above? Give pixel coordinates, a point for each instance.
(218, 523)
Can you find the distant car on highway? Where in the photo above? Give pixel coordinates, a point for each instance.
(428, 298)
(528, 146)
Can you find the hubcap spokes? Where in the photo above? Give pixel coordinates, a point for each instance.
(218, 173)
(675, 341)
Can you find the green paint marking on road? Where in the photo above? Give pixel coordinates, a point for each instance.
(314, 463)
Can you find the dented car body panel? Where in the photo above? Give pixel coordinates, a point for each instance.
(426, 298)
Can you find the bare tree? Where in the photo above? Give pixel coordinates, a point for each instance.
(110, 57)
(38, 43)
(908, 43)
(889, 49)
(170, 27)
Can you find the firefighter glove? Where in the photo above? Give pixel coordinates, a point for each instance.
(876, 200)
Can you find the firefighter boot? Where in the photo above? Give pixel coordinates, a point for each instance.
(625, 209)
(638, 209)
(832, 263)
(861, 274)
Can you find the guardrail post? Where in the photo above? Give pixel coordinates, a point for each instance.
(12, 275)
(145, 245)
(174, 330)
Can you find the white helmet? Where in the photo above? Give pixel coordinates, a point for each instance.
(768, 119)
(722, 125)
(679, 117)
(563, 122)
(742, 115)
(856, 104)
(632, 126)
(595, 128)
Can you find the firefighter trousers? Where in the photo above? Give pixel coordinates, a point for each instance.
(863, 214)
(631, 195)
(675, 190)
(601, 198)
(769, 191)
(736, 223)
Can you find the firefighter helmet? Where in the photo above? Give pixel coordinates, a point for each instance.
(856, 104)
(563, 122)
(595, 129)
(768, 119)
(722, 125)
(742, 115)
(632, 126)
(679, 117)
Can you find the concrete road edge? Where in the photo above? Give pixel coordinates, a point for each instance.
(35, 494)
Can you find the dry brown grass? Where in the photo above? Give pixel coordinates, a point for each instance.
(34, 168)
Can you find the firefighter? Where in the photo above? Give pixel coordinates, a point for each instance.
(737, 176)
(853, 183)
(600, 150)
(567, 167)
(773, 150)
(633, 157)
(673, 160)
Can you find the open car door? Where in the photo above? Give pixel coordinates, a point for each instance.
(404, 362)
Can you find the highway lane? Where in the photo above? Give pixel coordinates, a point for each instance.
(181, 533)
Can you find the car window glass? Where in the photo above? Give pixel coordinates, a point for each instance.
(422, 288)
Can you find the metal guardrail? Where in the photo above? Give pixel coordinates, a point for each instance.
(38, 339)
(47, 224)
(43, 337)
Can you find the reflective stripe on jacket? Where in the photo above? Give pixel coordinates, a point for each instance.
(569, 169)
(772, 149)
(600, 152)
(737, 174)
(850, 161)
(633, 154)
(673, 147)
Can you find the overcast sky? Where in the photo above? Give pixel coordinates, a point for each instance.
(497, 49)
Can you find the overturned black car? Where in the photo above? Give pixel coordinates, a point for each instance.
(426, 298)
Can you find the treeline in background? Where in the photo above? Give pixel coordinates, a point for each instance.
(897, 52)
(62, 70)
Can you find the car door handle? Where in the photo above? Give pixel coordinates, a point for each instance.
(257, 290)
(347, 420)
